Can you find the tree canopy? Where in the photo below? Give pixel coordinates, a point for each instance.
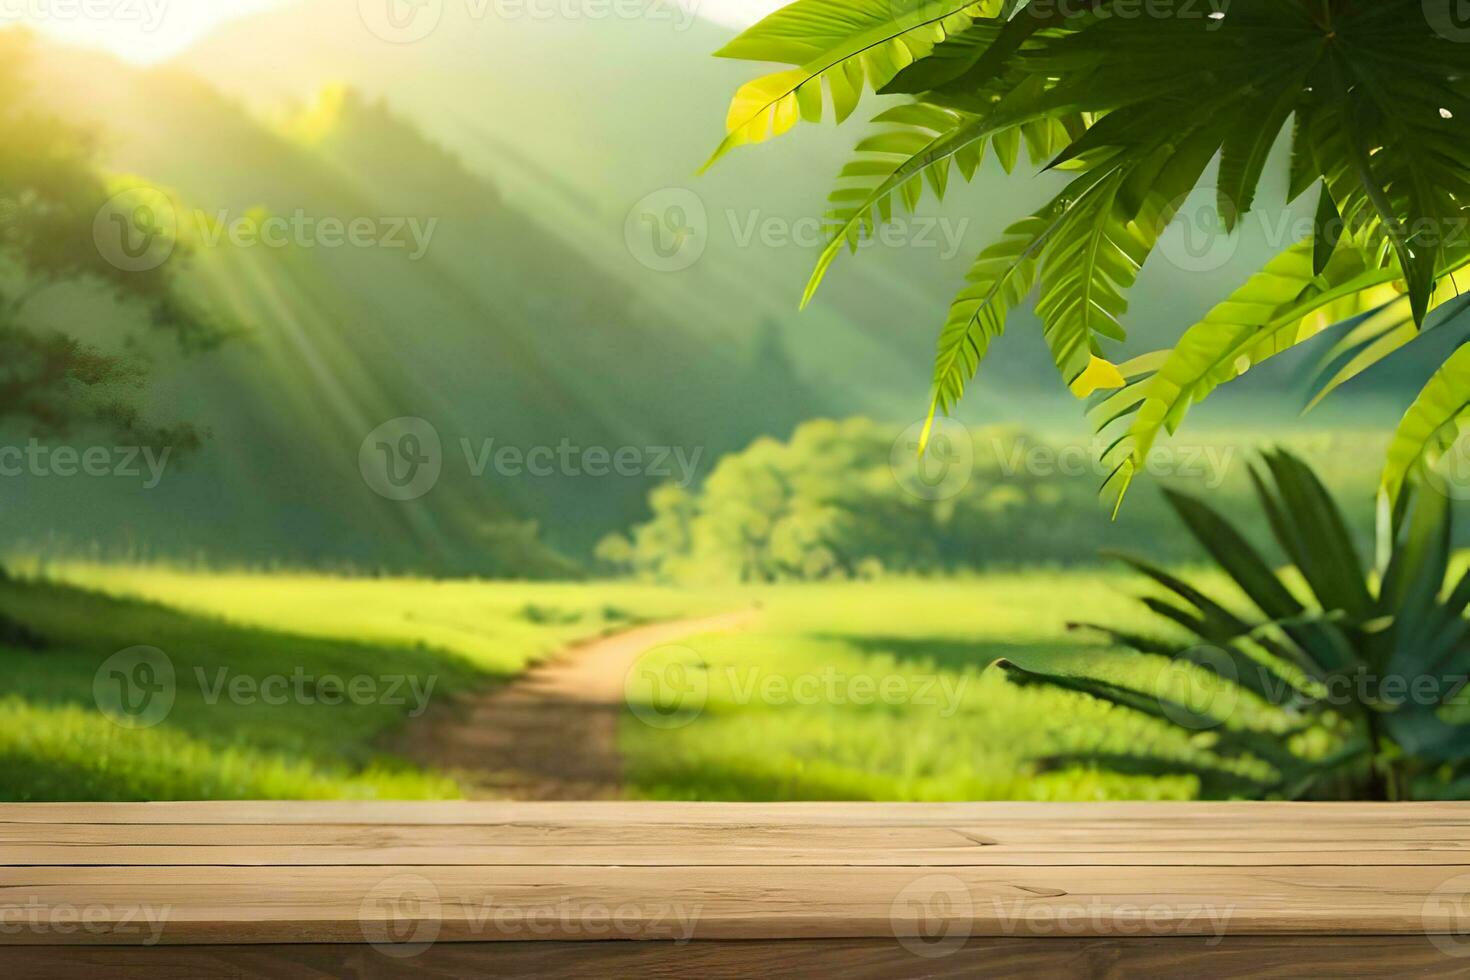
(56, 207)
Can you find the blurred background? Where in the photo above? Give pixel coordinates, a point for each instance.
(488, 372)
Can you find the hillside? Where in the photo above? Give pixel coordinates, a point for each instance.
(523, 99)
(544, 307)
(342, 339)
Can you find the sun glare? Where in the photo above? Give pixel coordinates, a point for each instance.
(149, 31)
(738, 13)
(140, 31)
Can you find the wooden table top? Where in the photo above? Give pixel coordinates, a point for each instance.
(387, 874)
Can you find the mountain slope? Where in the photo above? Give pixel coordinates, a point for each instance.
(579, 118)
(481, 323)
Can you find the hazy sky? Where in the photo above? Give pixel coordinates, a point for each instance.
(737, 13)
(152, 30)
(139, 30)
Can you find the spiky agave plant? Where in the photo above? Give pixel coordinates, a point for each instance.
(1354, 674)
(1135, 104)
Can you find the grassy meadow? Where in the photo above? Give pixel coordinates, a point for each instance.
(879, 691)
(339, 388)
(836, 691)
(416, 640)
(839, 689)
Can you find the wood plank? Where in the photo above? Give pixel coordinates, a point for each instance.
(654, 856)
(1308, 957)
(273, 873)
(346, 904)
(510, 844)
(582, 835)
(1094, 843)
(729, 815)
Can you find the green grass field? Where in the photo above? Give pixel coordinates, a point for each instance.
(879, 692)
(407, 638)
(842, 691)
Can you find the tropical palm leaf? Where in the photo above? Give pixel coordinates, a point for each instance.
(928, 142)
(1385, 86)
(848, 44)
(999, 280)
(1280, 307)
(867, 185)
(1379, 102)
(1111, 226)
(1431, 425)
(1382, 332)
(1316, 658)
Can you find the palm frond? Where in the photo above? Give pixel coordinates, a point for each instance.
(848, 44)
(999, 281)
(1377, 102)
(1430, 426)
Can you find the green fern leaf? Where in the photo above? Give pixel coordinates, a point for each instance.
(846, 43)
(999, 281)
(1283, 305)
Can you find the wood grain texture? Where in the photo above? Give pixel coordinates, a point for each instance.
(719, 814)
(903, 843)
(1095, 888)
(1307, 957)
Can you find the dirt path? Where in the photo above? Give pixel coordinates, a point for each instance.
(551, 734)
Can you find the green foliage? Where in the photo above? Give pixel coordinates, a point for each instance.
(51, 194)
(1285, 304)
(1139, 107)
(1431, 425)
(845, 500)
(846, 43)
(1343, 683)
(830, 503)
(497, 357)
(999, 281)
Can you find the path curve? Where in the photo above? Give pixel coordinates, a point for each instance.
(552, 733)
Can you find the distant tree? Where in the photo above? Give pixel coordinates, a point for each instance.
(615, 553)
(60, 224)
(63, 225)
(845, 499)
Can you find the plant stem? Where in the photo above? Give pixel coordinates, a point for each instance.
(1383, 780)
